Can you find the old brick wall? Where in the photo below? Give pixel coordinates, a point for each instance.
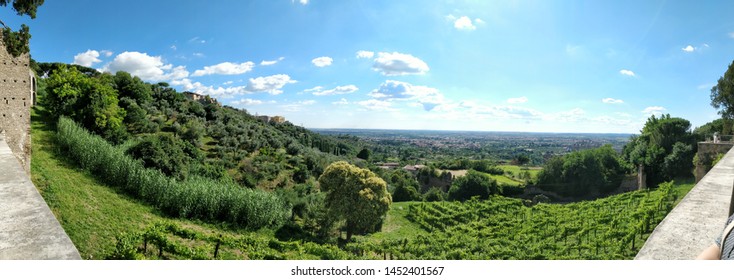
(16, 98)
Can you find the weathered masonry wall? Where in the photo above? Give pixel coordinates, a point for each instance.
(28, 229)
(17, 95)
(697, 220)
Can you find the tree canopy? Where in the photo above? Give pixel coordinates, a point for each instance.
(665, 148)
(583, 172)
(722, 94)
(472, 184)
(357, 196)
(16, 43)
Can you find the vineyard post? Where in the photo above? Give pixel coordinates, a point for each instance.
(216, 248)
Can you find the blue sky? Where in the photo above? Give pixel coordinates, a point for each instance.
(549, 66)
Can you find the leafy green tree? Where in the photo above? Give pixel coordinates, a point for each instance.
(16, 43)
(355, 195)
(583, 172)
(434, 194)
(665, 148)
(132, 87)
(474, 183)
(90, 101)
(364, 154)
(722, 94)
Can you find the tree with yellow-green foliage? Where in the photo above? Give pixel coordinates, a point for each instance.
(355, 195)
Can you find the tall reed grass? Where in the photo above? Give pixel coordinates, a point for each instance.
(195, 198)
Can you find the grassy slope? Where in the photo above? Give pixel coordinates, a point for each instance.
(92, 214)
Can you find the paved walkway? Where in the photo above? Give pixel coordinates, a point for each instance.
(28, 229)
(698, 219)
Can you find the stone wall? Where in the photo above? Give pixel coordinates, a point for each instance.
(698, 220)
(17, 85)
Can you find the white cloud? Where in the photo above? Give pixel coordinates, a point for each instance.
(464, 23)
(199, 88)
(375, 105)
(228, 83)
(270, 84)
(319, 91)
(302, 2)
(106, 53)
(478, 21)
(390, 90)
(247, 102)
(365, 54)
(198, 54)
(342, 101)
(149, 68)
(572, 115)
(653, 110)
(505, 112)
(688, 48)
(627, 72)
(197, 40)
(517, 100)
(609, 100)
(322, 61)
(225, 68)
(88, 58)
(398, 64)
(271, 62)
(173, 47)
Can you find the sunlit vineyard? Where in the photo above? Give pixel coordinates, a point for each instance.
(503, 228)
(498, 228)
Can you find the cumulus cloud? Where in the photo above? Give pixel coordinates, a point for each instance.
(322, 61)
(149, 68)
(199, 88)
(271, 62)
(612, 101)
(225, 68)
(517, 100)
(688, 48)
(398, 64)
(390, 90)
(106, 53)
(319, 91)
(88, 58)
(464, 23)
(270, 84)
(247, 102)
(627, 72)
(653, 110)
(365, 54)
